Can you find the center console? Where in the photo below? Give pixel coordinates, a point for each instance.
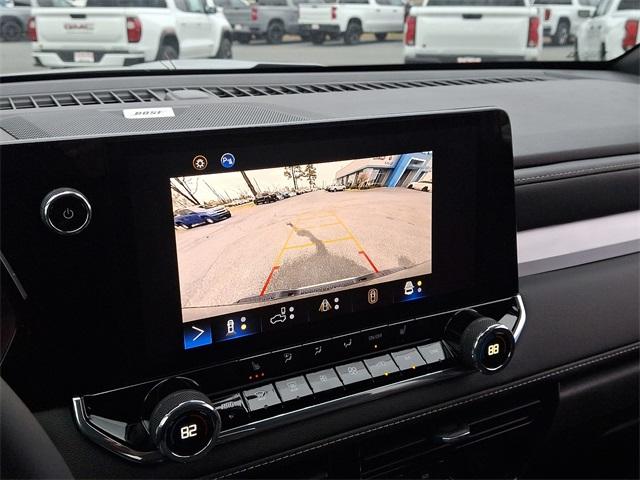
(251, 278)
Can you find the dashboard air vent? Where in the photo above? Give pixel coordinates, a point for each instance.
(108, 97)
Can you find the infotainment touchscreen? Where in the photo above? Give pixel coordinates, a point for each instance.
(277, 247)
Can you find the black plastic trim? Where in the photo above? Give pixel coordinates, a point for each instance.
(577, 198)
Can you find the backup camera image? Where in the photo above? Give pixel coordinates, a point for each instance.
(252, 238)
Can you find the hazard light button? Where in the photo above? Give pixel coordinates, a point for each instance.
(329, 306)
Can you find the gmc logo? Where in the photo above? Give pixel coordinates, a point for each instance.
(86, 27)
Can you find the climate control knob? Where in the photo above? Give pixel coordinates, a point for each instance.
(481, 343)
(184, 425)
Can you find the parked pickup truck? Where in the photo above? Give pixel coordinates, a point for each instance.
(613, 29)
(466, 31)
(349, 19)
(268, 19)
(116, 33)
(563, 17)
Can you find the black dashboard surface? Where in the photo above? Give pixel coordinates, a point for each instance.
(602, 119)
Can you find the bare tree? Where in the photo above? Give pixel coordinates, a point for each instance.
(249, 184)
(185, 186)
(178, 188)
(179, 201)
(311, 174)
(294, 173)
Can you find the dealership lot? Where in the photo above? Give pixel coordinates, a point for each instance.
(16, 56)
(306, 240)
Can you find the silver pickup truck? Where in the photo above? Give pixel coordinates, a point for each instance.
(268, 19)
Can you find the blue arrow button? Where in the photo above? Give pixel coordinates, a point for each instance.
(197, 335)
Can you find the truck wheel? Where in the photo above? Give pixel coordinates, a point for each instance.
(563, 31)
(275, 32)
(352, 35)
(224, 51)
(10, 30)
(167, 52)
(318, 38)
(381, 36)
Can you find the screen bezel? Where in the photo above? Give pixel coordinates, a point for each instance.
(120, 274)
(472, 139)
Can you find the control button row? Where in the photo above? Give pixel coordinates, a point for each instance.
(308, 355)
(232, 327)
(316, 309)
(261, 398)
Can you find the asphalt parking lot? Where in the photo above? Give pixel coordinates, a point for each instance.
(16, 56)
(303, 241)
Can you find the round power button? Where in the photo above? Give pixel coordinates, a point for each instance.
(66, 211)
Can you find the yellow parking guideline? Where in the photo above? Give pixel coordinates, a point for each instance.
(296, 228)
(318, 226)
(282, 250)
(311, 244)
(355, 239)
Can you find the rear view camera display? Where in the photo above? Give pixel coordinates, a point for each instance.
(268, 238)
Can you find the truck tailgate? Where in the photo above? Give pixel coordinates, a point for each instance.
(473, 30)
(91, 28)
(315, 14)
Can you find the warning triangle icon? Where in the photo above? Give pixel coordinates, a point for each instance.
(325, 306)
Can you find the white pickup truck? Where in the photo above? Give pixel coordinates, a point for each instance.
(467, 31)
(563, 17)
(116, 33)
(349, 19)
(613, 29)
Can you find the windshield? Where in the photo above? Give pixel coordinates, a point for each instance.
(54, 35)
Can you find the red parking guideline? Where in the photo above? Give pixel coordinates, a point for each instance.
(266, 284)
(362, 252)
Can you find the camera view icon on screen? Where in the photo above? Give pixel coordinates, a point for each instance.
(228, 160)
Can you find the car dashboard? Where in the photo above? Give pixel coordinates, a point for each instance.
(532, 223)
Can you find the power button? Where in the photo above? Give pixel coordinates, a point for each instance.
(66, 211)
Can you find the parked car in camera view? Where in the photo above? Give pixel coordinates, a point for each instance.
(264, 197)
(336, 188)
(192, 217)
(611, 31)
(422, 185)
(562, 18)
